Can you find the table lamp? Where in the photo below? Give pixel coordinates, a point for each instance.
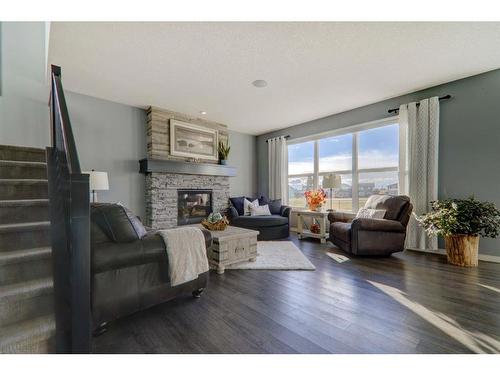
(98, 181)
(332, 181)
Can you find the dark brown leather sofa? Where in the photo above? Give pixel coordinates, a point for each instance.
(380, 237)
(130, 265)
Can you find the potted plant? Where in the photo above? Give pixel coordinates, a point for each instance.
(224, 149)
(461, 222)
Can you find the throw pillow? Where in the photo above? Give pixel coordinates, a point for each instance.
(247, 206)
(114, 222)
(275, 206)
(263, 200)
(370, 213)
(135, 221)
(260, 210)
(238, 203)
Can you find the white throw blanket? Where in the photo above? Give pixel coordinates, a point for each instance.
(187, 255)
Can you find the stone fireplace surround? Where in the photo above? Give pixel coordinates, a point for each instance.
(161, 195)
(165, 174)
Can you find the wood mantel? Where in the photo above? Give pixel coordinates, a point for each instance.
(183, 167)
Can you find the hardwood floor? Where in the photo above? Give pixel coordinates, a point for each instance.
(407, 303)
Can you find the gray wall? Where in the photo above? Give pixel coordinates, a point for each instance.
(243, 155)
(469, 151)
(24, 114)
(111, 137)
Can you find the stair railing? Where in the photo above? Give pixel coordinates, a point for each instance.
(69, 205)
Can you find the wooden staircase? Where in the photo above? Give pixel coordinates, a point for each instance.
(27, 323)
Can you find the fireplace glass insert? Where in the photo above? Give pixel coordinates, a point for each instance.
(193, 206)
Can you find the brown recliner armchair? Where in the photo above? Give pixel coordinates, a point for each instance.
(382, 237)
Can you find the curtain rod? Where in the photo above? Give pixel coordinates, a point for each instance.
(395, 110)
(286, 137)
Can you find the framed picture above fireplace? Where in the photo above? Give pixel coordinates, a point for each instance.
(193, 141)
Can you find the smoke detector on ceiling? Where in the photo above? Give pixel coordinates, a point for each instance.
(259, 83)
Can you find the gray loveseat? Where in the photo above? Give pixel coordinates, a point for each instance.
(382, 237)
(271, 227)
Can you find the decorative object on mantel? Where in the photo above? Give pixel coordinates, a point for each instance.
(461, 222)
(332, 181)
(215, 221)
(224, 149)
(193, 141)
(97, 181)
(315, 199)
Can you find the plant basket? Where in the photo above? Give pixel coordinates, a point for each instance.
(462, 249)
(218, 225)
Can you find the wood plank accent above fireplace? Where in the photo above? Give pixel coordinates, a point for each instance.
(158, 132)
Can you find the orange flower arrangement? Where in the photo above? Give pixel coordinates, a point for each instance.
(315, 198)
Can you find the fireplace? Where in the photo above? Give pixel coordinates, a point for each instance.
(193, 206)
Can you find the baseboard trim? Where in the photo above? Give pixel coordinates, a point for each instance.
(482, 257)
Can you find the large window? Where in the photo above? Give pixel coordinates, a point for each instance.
(366, 160)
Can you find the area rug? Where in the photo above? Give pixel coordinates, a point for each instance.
(276, 255)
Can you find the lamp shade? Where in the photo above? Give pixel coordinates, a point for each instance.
(98, 180)
(332, 181)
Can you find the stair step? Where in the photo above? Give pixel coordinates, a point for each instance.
(22, 169)
(26, 300)
(20, 153)
(14, 189)
(23, 210)
(30, 336)
(24, 235)
(24, 265)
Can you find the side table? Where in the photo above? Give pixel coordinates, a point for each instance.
(320, 216)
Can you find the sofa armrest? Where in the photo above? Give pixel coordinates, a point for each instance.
(377, 225)
(285, 211)
(344, 217)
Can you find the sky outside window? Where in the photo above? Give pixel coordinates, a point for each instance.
(379, 147)
(301, 158)
(335, 153)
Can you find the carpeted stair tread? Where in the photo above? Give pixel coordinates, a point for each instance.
(28, 336)
(26, 300)
(22, 181)
(23, 163)
(20, 236)
(23, 202)
(21, 153)
(27, 289)
(15, 188)
(10, 169)
(23, 210)
(21, 227)
(24, 255)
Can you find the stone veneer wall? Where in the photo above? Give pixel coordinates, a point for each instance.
(161, 195)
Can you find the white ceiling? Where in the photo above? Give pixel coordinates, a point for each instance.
(313, 69)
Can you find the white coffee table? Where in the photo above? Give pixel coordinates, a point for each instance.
(230, 246)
